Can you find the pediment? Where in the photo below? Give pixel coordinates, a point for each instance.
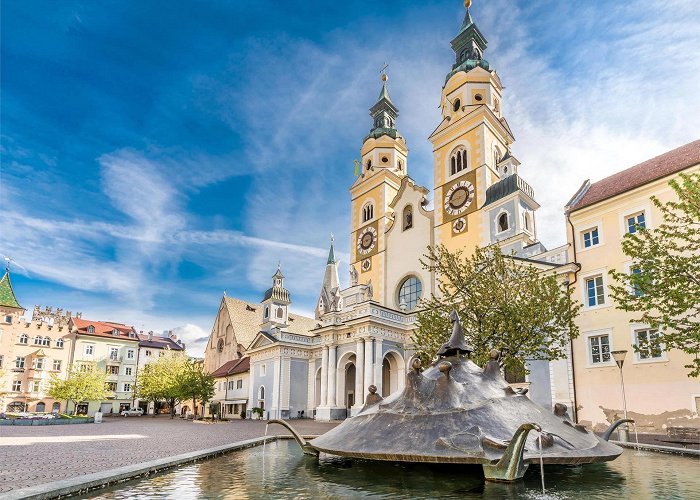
(261, 340)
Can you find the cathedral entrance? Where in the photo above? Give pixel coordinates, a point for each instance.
(349, 386)
(393, 371)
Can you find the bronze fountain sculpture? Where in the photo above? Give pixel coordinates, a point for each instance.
(457, 412)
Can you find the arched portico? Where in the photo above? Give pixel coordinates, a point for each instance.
(393, 372)
(317, 385)
(345, 380)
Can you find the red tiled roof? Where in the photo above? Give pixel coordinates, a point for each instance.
(232, 367)
(104, 329)
(657, 168)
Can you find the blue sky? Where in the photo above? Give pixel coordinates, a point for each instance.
(157, 153)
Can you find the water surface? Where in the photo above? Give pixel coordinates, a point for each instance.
(287, 473)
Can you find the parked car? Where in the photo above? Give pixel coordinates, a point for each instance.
(132, 412)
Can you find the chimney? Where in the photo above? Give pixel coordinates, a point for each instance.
(150, 335)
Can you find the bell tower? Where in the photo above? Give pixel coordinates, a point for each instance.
(383, 165)
(469, 142)
(275, 303)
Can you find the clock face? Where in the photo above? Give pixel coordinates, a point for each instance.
(366, 240)
(459, 225)
(366, 264)
(459, 197)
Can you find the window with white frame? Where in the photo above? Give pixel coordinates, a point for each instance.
(59, 343)
(148, 353)
(112, 370)
(599, 348)
(648, 345)
(502, 222)
(263, 370)
(127, 387)
(38, 340)
(458, 160)
(38, 363)
(35, 386)
(57, 365)
(239, 384)
(635, 221)
(367, 212)
(24, 339)
(230, 384)
(635, 277)
(595, 291)
(46, 342)
(112, 386)
(19, 362)
(8, 319)
(590, 237)
(127, 370)
(91, 329)
(16, 386)
(113, 353)
(89, 349)
(130, 354)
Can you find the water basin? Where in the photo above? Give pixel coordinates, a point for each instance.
(290, 474)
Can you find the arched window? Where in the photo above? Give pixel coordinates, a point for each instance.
(41, 407)
(408, 217)
(368, 212)
(267, 311)
(526, 221)
(46, 342)
(38, 340)
(261, 393)
(410, 292)
(458, 160)
(280, 312)
(56, 407)
(503, 222)
(24, 339)
(369, 164)
(220, 345)
(59, 342)
(496, 156)
(456, 105)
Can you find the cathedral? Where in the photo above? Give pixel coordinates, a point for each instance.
(361, 336)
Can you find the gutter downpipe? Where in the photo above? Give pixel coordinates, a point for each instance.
(568, 285)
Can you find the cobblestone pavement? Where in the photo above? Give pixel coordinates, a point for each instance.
(42, 454)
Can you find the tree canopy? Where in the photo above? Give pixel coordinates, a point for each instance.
(84, 383)
(663, 285)
(503, 303)
(165, 379)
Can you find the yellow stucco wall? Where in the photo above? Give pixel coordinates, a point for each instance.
(652, 386)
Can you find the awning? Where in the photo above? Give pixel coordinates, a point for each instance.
(235, 401)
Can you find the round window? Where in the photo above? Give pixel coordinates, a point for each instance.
(385, 159)
(410, 292)
(478, 97)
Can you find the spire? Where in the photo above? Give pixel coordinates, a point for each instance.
(384, 112)
(331, 255)
(7, 295)
(469, 46)
(277, 291)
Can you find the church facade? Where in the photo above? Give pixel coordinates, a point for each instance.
(360, 336)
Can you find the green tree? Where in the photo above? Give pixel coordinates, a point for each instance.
(664, 285)
(84, 383)
(163, 379)
(197, 384)
(503, 303)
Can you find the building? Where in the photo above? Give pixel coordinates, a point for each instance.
(152, 347)
(231, 386)
(112, 347)
(30, 353)
(599, 215)
(360, 335)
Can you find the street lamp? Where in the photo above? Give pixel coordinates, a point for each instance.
(619, 357)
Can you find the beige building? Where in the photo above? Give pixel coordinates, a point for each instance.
(112, 347)
(657, 386)
(30, 352)
(231, 387)
(151, 348)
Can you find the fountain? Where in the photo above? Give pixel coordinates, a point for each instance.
(455, 412)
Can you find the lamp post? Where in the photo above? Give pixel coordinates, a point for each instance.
(619, 357)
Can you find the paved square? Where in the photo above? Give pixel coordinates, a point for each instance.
(42, 454)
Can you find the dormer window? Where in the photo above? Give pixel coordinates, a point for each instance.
(368, 212)
(90, 329)
(115, 332)
(458, 160)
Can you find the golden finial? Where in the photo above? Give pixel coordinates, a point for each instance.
(384, 76)
(467, 4)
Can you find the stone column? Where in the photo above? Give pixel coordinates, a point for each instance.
(324, 377)
(332, 369)
(378, 364)
(359, 373)
(369, 366)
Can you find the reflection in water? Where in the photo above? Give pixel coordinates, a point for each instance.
(291, 474)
